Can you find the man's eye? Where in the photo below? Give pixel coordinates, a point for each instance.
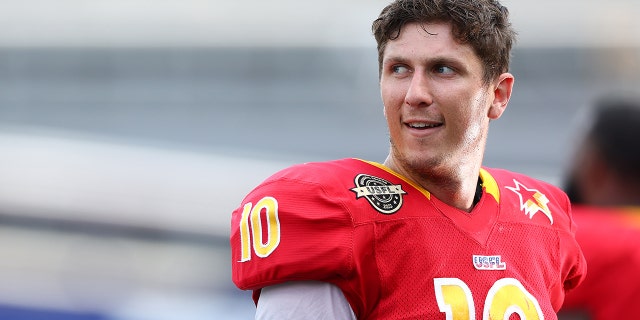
(444, 70)
(400, 69)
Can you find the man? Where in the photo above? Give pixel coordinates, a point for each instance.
(604, 186)
(429, 234)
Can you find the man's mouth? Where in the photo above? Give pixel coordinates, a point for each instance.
(423, 125)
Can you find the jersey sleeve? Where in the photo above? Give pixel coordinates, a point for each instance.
(294, 226)
(573, 264)
(610, 247)
(545, 205)
(571, 261)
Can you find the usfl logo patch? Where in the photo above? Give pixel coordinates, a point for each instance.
(384, 196)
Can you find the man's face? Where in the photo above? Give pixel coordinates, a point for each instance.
(436, 103)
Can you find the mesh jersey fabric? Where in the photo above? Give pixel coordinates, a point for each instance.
(397, 252)
(609, 238)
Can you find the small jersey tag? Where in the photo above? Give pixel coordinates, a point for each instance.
(488, 263)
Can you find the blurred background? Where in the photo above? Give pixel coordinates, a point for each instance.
(129, 131)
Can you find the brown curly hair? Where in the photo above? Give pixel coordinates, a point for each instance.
(483, 24)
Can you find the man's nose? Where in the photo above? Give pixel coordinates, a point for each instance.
(419, 91)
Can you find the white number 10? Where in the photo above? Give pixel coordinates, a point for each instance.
(506, 297)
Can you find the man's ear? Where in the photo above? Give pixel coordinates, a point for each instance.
(501, 96)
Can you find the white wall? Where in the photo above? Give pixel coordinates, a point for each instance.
(78, 179)
(285, 22)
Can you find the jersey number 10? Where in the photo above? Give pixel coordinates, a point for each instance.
(266, 238)
(506, 297)
(260, 235)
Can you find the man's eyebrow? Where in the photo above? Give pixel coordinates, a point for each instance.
(395, 59)
(445, 60)
(436, 60)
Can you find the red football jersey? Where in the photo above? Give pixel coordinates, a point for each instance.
(610, 239)
(397, 252)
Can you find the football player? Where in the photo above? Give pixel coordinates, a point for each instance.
(604, 186)
(429, 233)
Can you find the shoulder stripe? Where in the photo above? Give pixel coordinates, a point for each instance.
(387, 169)
(488, 182)
(490, 185)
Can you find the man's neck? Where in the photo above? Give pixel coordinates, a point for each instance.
(457, 189)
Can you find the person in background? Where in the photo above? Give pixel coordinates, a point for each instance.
(604, 186)
(430, 233)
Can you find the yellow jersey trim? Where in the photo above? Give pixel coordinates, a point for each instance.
(488, 182)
